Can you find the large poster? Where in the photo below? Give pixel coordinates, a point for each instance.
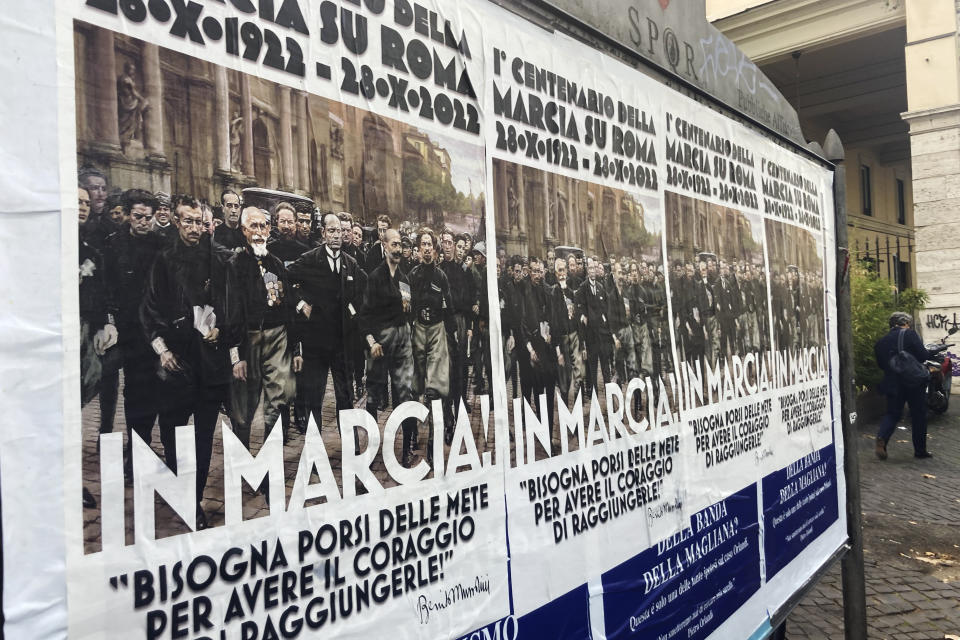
(415, 319)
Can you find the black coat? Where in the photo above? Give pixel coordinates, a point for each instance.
(885, 349)
(511, 308)
(287, 249)
(257, 313)
(618, 310)
(229, 238)
(128, 260)
(183, 277)
(335, 299)
(374, 257)
(96, 305)
(538, 307)
(383, 301)
(594, 307)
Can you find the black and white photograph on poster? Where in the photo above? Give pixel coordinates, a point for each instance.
(796, 287)
(581, 289)
(717, 281)
(311, 258)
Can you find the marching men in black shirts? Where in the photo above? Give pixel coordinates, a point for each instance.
(233, 321)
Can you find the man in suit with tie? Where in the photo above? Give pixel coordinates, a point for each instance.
(570, 370)
(728, 310)
(331, 286)
(591, 300)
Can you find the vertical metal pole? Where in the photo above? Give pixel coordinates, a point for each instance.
(888, 258)
(854, 587)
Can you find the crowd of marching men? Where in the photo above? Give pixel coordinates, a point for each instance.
(231, 308)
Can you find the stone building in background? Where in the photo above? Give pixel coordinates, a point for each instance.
(537, 211)
(695, 226)
(885, 75)
(156, 119)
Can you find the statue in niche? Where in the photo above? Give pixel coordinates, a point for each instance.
(513, 205)
(131, 106)
(236, 132)
(336, 142)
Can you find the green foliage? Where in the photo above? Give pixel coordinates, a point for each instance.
(426, 191)
(872, 300)
(633, 233)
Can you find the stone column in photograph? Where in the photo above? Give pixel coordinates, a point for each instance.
(302, 143)
(103, 68)
(221, 122)
(153, 88)
(285, 135)
(246, 139)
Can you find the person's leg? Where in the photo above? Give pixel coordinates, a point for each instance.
(109, 387)
(400, 365)
(630, 363)
(276, 374)
(170, 419)
(526, 372)
(241, 413)
(342, 387)
(591, 373)
(550, 388)
(917, 399)
(205, 424)
(139, 401)
(577, 370)
(888, 423)
(376, 383)
(512, 372)
(606, 360)
(463, 378)
(357, 362)
(563, 371)
(309, 390)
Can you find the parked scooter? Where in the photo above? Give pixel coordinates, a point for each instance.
(941, 373)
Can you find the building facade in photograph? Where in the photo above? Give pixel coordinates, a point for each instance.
(152, 118)
(537, 211)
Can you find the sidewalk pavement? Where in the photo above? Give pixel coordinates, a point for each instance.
(911, 527)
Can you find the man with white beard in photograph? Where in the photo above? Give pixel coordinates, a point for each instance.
(263, 365)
